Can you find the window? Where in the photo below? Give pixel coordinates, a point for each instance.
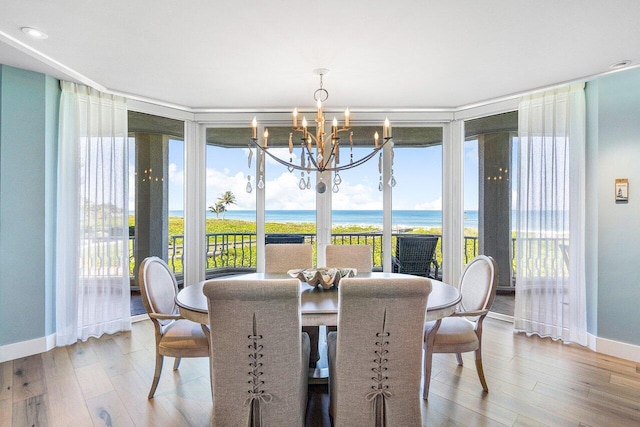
(357, 205)
(230, 231)
(417, 195)
(489, 182)
(156, 189)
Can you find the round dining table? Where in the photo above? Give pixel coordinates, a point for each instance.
(318, 306)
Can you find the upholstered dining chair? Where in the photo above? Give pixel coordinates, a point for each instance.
(376, 351)
(281, 258)
(259, 356)
(352, 256)
(462, 331)
(175, 336)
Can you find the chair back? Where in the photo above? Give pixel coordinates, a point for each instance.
(287, 256)
(377, 354)
(478, 284)
(415, 254)
(278, 239)
(351, 256)
(257, 370)
(158, 286)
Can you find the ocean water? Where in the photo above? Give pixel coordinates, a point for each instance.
(400, 218)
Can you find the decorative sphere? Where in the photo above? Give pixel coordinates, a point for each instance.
(321, 187)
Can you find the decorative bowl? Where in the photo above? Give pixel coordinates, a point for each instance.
(325, 277)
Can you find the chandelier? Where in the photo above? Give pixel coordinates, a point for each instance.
(319, 152)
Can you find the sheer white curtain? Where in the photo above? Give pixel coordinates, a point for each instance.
(550, 279)
(92, 261)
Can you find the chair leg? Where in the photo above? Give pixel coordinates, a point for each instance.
(459, 358)
(428, 356)
(314, 334)
(481, 371)
(156, 374)
(176, 363)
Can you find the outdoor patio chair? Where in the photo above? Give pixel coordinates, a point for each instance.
(416, 255)
(270, 239)
(462, 331)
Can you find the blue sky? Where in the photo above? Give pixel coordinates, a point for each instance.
(418, 172)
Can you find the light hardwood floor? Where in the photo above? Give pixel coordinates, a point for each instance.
(532, 382)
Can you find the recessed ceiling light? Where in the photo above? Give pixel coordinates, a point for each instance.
(620, 64)
(35, 33)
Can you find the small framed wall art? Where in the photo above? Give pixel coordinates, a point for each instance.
(622, 190)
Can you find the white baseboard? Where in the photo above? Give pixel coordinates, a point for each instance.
(39, 345)
(139, 318)
(500, 316)
(43, 344)
(27, 348)
(600, 345)
(617, 349)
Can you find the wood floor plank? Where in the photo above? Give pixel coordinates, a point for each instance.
(199, 390)
(82, 354)
(6, 412)
(111, 357)
(523, 421)
(458, 413)
(507, 400)
(143, 362)
(433, 417)
(67, 406)
(6, 380)
(56, 362)
(179, 406)
(174, 411)
(144, 333)
(133, 391)
(475, 400)
(625, 381)
(552, 374)
(615, 401)
(30, 412)
(28, 378)
(93, 381)
(588, 410)
(108, 410)
(127, 342)
(544, 410)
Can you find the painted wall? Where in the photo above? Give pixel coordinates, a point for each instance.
(618, 232)
(28, 134)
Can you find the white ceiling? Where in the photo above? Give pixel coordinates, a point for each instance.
(396, 54)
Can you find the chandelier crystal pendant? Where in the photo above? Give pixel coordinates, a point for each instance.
(319, 152)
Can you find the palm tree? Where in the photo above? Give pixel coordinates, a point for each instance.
(228, 198)
(218, 209)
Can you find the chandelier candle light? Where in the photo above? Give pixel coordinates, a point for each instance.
(319, 152)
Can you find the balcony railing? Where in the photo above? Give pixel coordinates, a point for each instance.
(237, 251)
